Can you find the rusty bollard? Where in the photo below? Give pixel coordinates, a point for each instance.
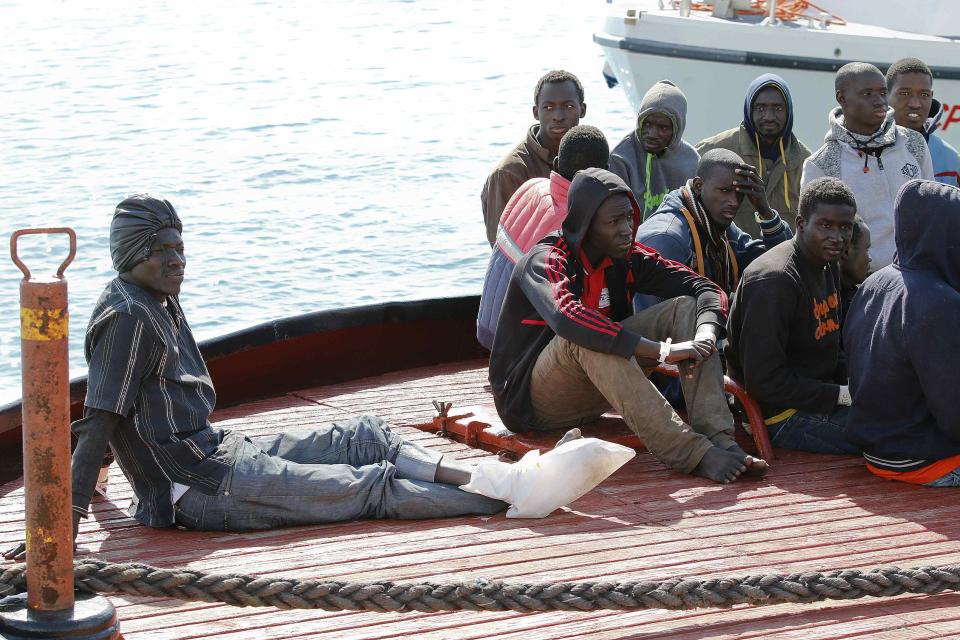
(51, 610)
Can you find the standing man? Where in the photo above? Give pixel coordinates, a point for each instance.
(903, 347)
(910, 84)
(870, 152)
(695, 224)
(654, 159)
(765, 140)
(784, 329)
(557, 107)
(567, 348)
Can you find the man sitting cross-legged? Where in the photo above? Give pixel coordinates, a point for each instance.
(784, 328)
(149, 398)
(902, 346)
(695, 223)
(567, 348)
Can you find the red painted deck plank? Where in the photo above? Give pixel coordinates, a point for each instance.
(810, 513)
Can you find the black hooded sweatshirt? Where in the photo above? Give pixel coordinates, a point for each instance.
(543, 298)
(901, 339)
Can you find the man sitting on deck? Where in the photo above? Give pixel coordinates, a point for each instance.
(765, 139)
(557, 106)
(784, 329)
(870, 152)
(695, 223)
(567, 348)
(902, 346)
(654, 159)
(910, 85)
(536, 209)
(149, 398)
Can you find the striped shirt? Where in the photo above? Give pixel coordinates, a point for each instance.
(146, 367)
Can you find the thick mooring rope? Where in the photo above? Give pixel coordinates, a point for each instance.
(484, 595)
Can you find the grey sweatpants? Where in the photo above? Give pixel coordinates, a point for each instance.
(342, 471)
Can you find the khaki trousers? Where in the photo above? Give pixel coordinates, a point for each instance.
(572, 385)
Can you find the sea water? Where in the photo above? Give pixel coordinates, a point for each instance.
(321, 155)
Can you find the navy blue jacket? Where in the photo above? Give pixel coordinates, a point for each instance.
(668, 233)
(901, 339)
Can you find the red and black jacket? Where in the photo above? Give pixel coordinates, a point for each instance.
(543, 298)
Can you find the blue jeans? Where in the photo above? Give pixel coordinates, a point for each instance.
(814, 432)
(951, 479)
(343, 471)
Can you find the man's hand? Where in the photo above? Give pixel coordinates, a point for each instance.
(18, 552)
(750, 184)
(696, 351)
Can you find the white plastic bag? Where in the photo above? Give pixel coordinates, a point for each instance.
(537, 484)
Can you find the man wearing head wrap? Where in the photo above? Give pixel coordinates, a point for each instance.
(766, 141)
(135, 225)
(149, 397)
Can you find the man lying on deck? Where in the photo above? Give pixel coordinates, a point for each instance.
(149, 397)
(567, 348)
(784, 329)
(902, 346)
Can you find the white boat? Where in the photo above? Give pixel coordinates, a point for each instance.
(713, 56)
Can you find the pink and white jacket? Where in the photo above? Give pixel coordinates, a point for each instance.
(536, 209)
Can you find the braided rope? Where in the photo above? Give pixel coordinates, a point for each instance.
(484, 595)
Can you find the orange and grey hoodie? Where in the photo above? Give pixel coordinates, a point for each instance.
(544, 298)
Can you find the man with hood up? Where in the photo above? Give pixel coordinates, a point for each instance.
(902, 346)
(654, 159)
(765, 140)
(870, 152)
(695, 224)
(910, 86)
(567, 348)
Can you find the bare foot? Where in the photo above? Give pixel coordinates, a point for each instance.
(721, 465)
(756, 467)
(573, 434)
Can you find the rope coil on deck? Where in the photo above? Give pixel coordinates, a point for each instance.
(485, 595)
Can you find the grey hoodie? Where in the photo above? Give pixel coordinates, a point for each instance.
(874, 167)
(672, 167)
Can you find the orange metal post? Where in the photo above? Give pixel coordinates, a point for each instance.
(46, 432)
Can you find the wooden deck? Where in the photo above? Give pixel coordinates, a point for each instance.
(810, 513)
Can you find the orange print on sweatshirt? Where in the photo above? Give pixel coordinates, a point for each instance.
(825, 313)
